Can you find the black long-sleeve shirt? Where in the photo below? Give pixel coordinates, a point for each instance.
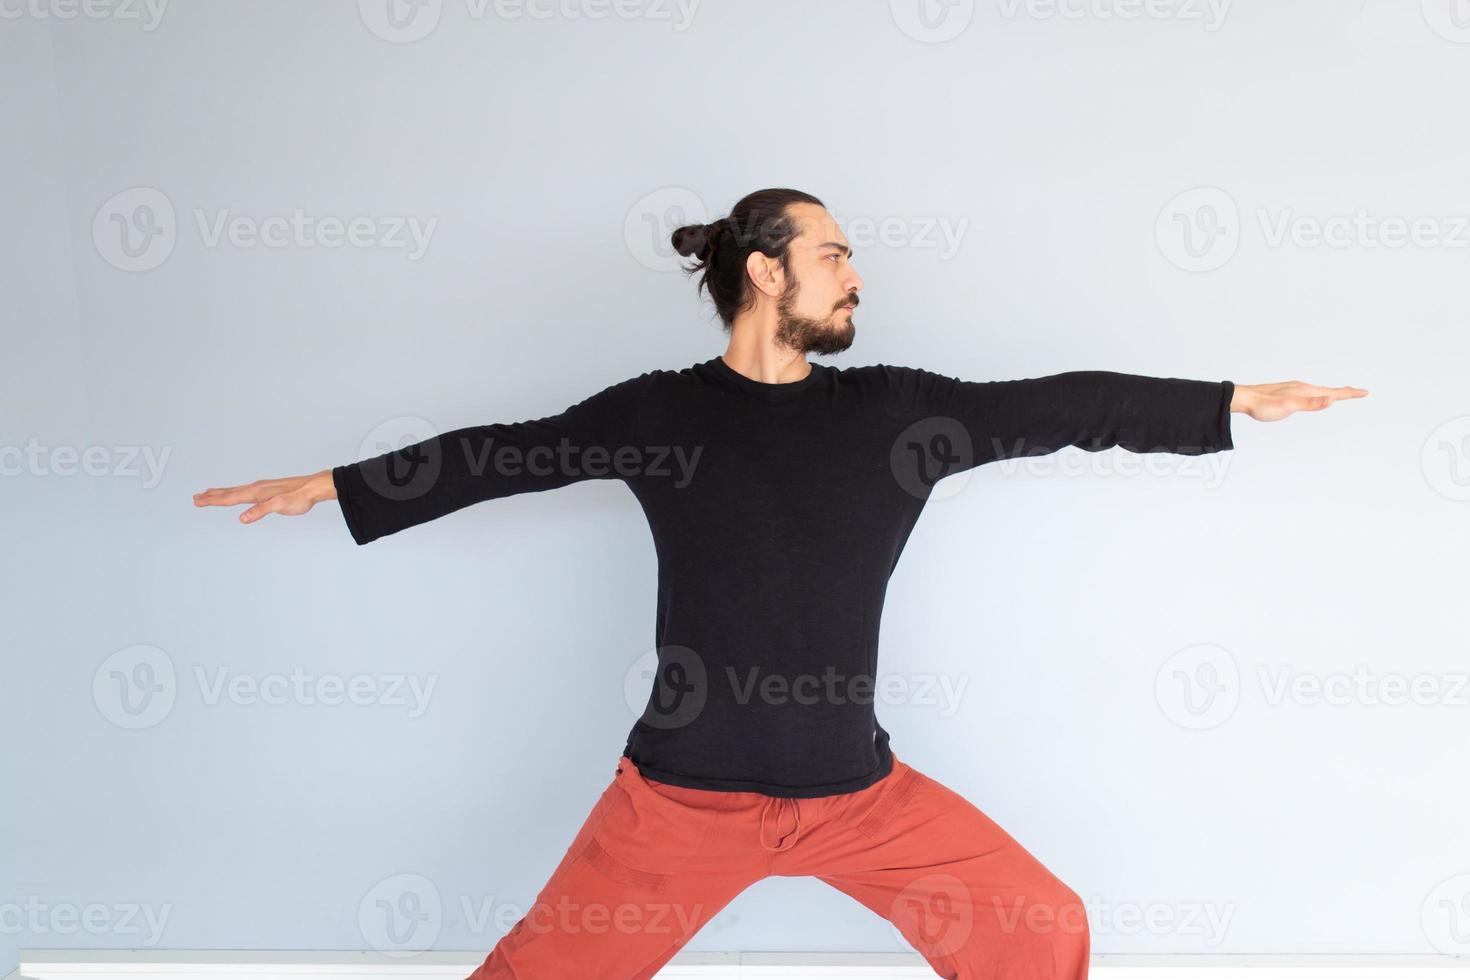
(778, 513)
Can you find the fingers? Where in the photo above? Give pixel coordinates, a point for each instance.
(268, 496)
(224, 496)
(245, 493)
(1314, 398)
(1302, 397)
(1344, 391)
(270, 505)
(1315, 403)
(1307, 403)
(291, 503)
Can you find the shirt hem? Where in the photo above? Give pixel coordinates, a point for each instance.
(885, 766)
(1227, 396)
(340, 480)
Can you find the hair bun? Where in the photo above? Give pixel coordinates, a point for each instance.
(691, 240)
(698, 240)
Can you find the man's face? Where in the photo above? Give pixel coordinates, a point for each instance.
(816, 305)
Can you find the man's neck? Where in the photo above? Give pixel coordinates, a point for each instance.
(761, 359)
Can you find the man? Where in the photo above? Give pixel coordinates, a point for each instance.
(780, 495)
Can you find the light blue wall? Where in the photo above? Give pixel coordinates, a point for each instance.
(541, 150)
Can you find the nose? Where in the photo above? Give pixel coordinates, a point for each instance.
(780, 805)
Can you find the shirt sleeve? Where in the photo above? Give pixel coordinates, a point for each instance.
(418, 483)
(1092, 410)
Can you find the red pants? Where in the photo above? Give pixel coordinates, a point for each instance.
(654, 862)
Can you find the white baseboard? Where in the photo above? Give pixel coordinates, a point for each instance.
(115, 964)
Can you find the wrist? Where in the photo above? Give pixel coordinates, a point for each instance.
(1241, 398)
(320, 486)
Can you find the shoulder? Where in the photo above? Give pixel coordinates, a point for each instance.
(895, 380)
(642, 395)
(650, 382)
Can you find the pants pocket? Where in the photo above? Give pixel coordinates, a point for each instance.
(593, 854)
(642, 835)
(905, 781)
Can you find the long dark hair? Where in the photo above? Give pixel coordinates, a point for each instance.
(757, 222)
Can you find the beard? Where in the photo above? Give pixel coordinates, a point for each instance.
(806, 335)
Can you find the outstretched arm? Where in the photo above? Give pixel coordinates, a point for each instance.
(1097, 410)
(418, 483)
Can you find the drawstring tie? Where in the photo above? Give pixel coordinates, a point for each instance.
(780, 804)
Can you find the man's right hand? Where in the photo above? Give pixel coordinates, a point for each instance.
(291, 495)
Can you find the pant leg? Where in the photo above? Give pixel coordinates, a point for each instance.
(637, 882)
(964, 893)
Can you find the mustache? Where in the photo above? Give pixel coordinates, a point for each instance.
(850, 301)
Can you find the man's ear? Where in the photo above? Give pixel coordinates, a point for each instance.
(764, 272)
